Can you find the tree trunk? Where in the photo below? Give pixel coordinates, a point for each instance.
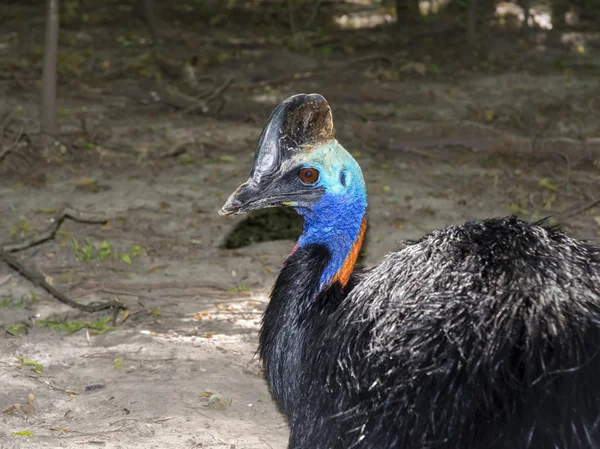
(559, 10)
(151, 19)
(472, 22)
(406, 12)
(526, 5)
(49, 80)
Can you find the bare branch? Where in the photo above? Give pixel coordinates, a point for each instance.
(50, 231)
(38, 278)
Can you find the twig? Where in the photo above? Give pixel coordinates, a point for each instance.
(304, 75)
(174, 98)
(208, 96)
(218, 91)
(581, 209)
(50, 384)
(265, 442)
(5, 122)
(313, 17)
(176, 150)
(38, 278)
(362, 59)
(290, 5)
(150, 17)
(417, 151)
(153, 421)
(50, 231)
(15, 141)
(55, 429)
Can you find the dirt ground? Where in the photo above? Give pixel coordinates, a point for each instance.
(440, 139)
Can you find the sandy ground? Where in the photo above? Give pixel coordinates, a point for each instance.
(180, 371)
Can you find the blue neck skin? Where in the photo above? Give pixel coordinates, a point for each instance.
(334, 222)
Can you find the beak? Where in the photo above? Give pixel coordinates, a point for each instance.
(296, 125)
(246, 197)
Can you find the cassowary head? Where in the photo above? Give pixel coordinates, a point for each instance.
(299, 163)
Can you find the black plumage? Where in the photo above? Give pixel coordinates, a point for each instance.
(484, 335)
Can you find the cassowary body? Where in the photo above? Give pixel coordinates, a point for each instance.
(479, 336)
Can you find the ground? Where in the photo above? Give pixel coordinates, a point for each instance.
(441, 140)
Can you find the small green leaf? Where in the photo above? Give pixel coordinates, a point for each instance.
(49, 211)
(75, 246)
(98, 327)
(118, 364)
(22, 433)
(547, 184)
(36, 367)
(216, 399)
(517, 209)
(126, 258)
(326, 50)
(18, 329)
(135, 250)
(185, 159)
(104, 250)
(83, 253)
(20, 229)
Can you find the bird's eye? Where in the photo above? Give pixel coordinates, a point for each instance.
(309, 176)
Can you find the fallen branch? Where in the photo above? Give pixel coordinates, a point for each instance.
(38, 278)
(581, 209)
(62, 430)
(209, 95)
(177, 150)
(50, 231)
(5, 122)
(178, 100)
(521, 139)
(421, 150)
(362, 59)
(319, 71)
(50, 384)
(173, 97)
(5, 150)
(12, 146)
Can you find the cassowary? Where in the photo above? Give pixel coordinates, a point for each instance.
(479, 336)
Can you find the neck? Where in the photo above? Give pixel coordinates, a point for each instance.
(294, 317)
(308, 290)
(339, 225)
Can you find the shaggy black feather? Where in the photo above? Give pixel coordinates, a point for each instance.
(479, 336)
(294, 315)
